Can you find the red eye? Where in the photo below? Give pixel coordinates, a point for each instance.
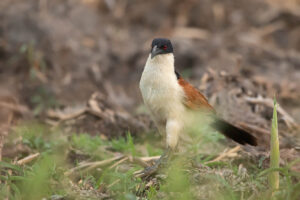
(164, 47)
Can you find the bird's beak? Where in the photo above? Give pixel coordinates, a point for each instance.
(155, 51)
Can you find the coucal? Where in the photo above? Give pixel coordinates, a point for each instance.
(172, 100)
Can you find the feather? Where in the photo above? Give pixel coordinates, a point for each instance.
(194, 100)
(237, 134)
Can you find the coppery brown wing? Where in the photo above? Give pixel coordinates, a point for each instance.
(193, 97)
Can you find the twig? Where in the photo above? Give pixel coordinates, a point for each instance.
(151, 158)
(139, 161)
(137, 173)
(119, 162)
(92, 165)
(290, 122)
(28, 159)
(63, 117)
(230, 153)
(113, 183)
(96, 113)
(13, 107)
(254, 128)
(269, 29)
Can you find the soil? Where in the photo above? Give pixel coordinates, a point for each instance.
(56, 54)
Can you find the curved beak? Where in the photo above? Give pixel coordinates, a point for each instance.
(155, 51)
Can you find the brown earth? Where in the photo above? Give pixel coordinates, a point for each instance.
(56, 54)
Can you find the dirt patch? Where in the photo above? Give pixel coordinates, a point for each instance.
(56, 54)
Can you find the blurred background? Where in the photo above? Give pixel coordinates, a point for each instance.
(77, 63)
(63, 51)
(56, 56)
(58, 53)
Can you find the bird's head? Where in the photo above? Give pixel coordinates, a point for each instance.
(161, 46)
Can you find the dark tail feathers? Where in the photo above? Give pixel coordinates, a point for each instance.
(234, 133)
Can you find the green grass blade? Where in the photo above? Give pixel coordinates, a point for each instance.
(10, 166)
(274, 154)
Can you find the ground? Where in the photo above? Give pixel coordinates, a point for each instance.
(72, 121)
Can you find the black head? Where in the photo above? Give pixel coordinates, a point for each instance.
(161, 46)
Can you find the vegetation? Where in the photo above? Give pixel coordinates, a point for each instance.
(57, 172)
(274, 153)
(69, 73)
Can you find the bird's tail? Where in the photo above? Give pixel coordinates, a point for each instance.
(237, 134)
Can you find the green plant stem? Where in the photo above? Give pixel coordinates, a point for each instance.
(274, 154)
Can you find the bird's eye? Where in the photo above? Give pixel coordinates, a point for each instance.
(164, 47)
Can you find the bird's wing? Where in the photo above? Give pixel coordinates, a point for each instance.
(193, 98)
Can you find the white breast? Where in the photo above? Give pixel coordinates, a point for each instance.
(160, 90)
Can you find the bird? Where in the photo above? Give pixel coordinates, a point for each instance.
(172, 101)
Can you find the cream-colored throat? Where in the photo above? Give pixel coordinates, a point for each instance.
(158, 67)
(159, 87)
